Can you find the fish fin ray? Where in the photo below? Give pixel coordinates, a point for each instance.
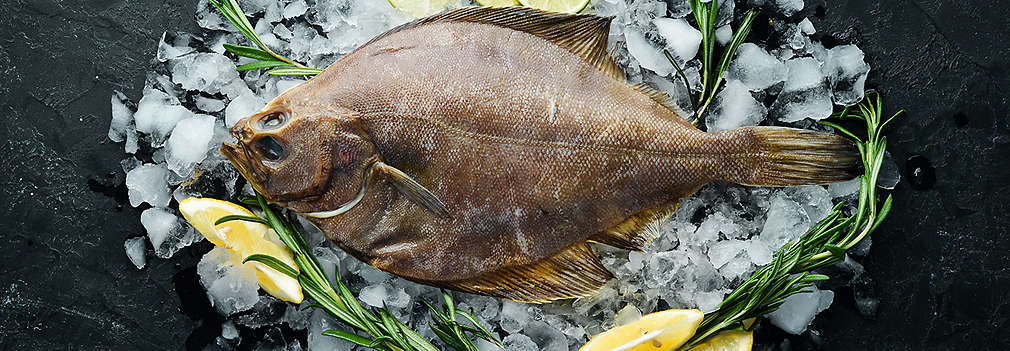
(413, 190)
(574, 272)
(640, 229)
(584, 35)
(661, 98)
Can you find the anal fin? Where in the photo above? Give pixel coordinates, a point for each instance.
(639, 229)
(574, 272)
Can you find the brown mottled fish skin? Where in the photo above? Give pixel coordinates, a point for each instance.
(532, 148)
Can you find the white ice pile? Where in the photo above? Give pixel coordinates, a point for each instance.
(231, 285)
(756, 68)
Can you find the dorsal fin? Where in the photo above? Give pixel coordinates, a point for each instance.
(582, 35)
(661, 98)
(574, 272)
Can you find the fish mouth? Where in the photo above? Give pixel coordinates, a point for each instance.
(239, 157)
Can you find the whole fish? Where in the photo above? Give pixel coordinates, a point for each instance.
(481, 149)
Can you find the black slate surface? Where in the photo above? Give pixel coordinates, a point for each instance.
(938, 265)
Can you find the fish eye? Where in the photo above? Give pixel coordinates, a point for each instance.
(271, 148)
(272, 120)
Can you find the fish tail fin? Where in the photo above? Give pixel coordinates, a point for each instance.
(779, 156)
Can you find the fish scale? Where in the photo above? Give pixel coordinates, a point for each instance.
(482, 149)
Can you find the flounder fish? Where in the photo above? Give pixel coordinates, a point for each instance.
(482, 149)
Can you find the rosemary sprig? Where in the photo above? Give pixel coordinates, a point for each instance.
(282, 66)
(384, 332)
(711, 76)
(825, 244)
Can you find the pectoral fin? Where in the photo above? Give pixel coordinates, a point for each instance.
(412, 189)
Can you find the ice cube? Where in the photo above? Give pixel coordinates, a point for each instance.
(285, 84)
(207, 16)
(843, 189)
(167, 232)
(787, 220)
(231, 285)
(174, 45)
(678, 8)
(627, 315)
(135, 251)
(648, 54)
(708, 301)
(122, 118)
(682, 39)
(189, 143)
(206, 72)
(734, 107)
(207, 104)
(724, 34)
(157, 113)
(514, 316)
(805, 93)
(519, 342)
(799, 310)
(243, 106)
(294, 9)
(375, 295)
(846, 71)
(228, 330)
(756, 68)
(320, 322)
(547, 337)
(785, 8)
(889, 176)
(148, 183)
(723, 252)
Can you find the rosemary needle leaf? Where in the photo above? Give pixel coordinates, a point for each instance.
(260, 65)
(248, 51)
(355, 338)
(230, 218)
(274, 263)
(294, 71)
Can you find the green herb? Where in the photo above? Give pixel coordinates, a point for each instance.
(282, 66)
(825, 244)
(711, 76)
(384, 332)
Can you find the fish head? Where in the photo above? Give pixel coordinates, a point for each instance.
(296, 154)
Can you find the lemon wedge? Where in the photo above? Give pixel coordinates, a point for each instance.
(498, 3)
(665, 330)
(734, 340)
(420, 8)
(567, 6)
(244, 238)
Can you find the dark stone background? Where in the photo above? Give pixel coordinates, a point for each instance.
(938, 264)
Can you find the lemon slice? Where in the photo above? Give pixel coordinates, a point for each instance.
(498, 3)
(734, 340)
(567, 6)
(665, 330)
(244, 238)
(420, 8)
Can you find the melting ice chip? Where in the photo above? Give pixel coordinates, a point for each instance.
(805, 94)
(243, 106)
(846, 71)
(756, 68)
(167, 232)
(157, 113)
(189, 143)
(735, 107)
(799, 310)
(520, 342)
(231, 285)
(206, 72)
(682, 39)
(148, 183)
(135, 251)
